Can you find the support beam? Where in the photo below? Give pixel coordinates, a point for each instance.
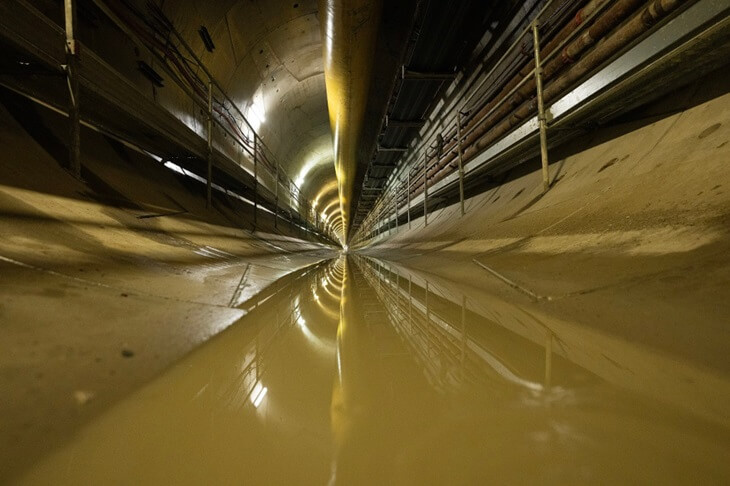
(392, 149)
(381, 166)
(391, 123)
(426, 76)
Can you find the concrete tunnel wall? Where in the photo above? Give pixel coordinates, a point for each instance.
(272, 69)
(623, 253)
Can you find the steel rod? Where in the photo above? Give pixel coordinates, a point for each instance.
(408, 197)
(256, 180)
(461, 163)
(425, 190)
(541, 110)
(209, 179)
(276, 199)
(73, 87)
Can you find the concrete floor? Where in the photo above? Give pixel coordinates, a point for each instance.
(621, 274)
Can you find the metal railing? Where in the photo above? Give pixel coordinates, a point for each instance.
(482, 119)
(242, 145)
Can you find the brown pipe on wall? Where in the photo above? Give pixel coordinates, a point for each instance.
(568, 29)
(515, 110)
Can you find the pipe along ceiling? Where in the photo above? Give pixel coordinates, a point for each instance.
(349, 30)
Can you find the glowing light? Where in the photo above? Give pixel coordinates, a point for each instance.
(258, 394)
(314, 161)
(255, 113)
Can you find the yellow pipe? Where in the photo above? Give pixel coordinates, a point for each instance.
(349, 31)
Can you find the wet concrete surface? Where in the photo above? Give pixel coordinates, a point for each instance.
(353, 372)
(148, 339)
(107, 281)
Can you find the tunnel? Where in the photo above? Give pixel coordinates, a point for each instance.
(364, 242)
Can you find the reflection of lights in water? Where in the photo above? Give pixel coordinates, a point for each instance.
(317, 342)
(258, 394)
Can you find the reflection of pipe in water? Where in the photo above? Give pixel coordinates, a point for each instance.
(318, 343)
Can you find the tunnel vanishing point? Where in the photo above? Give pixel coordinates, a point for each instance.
(364, 242)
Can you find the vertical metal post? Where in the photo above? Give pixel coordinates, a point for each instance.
(425, 189)
(255, 179)
(209, 179)
(395, 212)
(72, 79)
(380, 220)
(541, 110)
(276, 197)
(410, 301)
(389, 227)
(408, 197)
(395, 203)
(461, 162)
(428, 309)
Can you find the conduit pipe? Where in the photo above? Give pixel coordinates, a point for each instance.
(515, 110)
(562, 34)
(349, 31)
(504, 120)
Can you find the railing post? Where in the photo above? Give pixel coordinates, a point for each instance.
(428, 309)
(461, 162)
(72, 79)
(380, 221)
(410, 301)
(395, 223)
(541, 110)
(255, 179)
(276, 198)
(209, 179)
(425, 189)
(396, 205)
(408, 196)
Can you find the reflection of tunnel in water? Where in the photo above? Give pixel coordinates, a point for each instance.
(350, 372)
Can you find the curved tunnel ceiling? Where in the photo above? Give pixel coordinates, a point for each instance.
(268, 57)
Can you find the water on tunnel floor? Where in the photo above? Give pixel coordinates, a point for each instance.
(350, 373)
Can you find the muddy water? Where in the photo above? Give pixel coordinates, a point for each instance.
(351, 374)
